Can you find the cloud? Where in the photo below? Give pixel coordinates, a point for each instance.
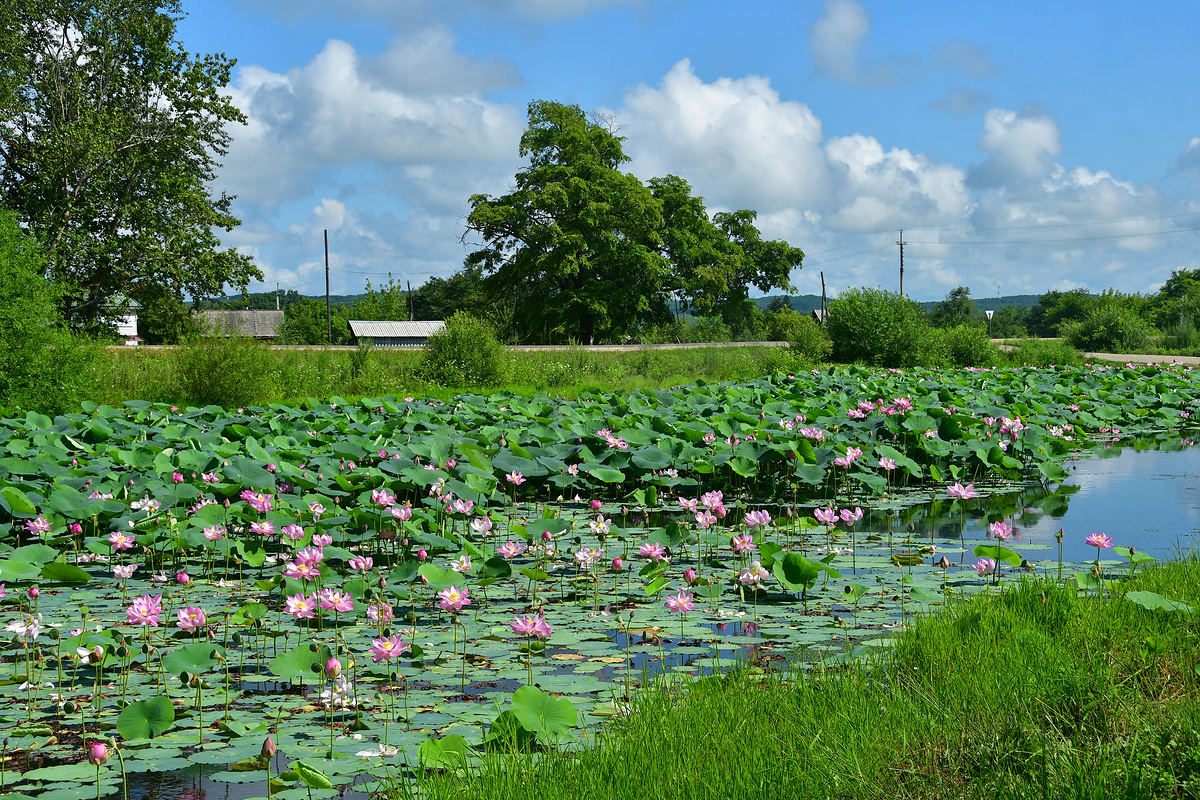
(1188, 162)
(837, 41)
(732, 139)
(966, 59)
(1021, 146)
(961, 102)
(343, 109)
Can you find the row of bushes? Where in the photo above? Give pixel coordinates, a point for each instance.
(883, 329)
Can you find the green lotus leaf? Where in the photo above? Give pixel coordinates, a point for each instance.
(146, 719)
(542, 714)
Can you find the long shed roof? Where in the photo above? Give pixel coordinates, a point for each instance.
(395, 330)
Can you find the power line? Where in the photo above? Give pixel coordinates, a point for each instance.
(1060, 240)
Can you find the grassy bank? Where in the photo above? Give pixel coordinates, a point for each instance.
(233, 373)
(1033, 692)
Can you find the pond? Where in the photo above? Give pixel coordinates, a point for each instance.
(1141, 495)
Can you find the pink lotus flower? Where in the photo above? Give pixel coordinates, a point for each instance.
(1000, 529)
(145, 611)
(462, 564)
(515, 478)
(383, 498)
(887, 463)
(124, 572)
(293, 533)
(121, 541)
(310, 555)
(510, 550)
(387, 649)
(711, 500)
(210, 477)
(535, 626)
(753, 574)
(402, 513)
(301, 606)
(1101, 541)
(757, 519)
(705, 519)
(261, 503)
(333, 600)
(586, 556)
(380, 612)
(177, 477)
(689, 504)
(264, 528)
(322, 540)
(850, 517)
(957, 491)
(985, 566)
(452, 599)
(192, 619)
(215, 533)
(743, 543)
(361, 563)
(37, 526)
(97, 754)
(316, 509)
(481, 525)
(826, 515)
(653, 551)
(680, 603)
(302, 570)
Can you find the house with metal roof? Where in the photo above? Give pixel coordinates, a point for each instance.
(395, 334)
(257, 323)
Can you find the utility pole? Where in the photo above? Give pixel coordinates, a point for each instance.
(276, 295)
(328, 312)
(822, 296)
(410, 303)
(901, 243)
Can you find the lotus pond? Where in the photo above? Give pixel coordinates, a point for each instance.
(393, 584)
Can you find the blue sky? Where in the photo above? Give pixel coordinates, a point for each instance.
(1021, 146)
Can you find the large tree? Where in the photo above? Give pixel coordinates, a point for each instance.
(110, 135)
(580, 250)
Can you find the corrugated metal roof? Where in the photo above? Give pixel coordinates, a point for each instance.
(395, 330)
(259, 323)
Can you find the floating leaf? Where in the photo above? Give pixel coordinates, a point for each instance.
(145, 719)
(543, 714)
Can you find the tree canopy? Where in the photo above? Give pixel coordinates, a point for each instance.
(110, 134)
(579, 250)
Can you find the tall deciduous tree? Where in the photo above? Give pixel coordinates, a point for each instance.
(579, 250)
(110, 134)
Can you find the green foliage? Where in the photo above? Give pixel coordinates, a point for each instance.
(305, 322)
(1109, 327)
(1010, 322)
(579, 251)
(164, 318)
(968, 346)
(466, 353)
(809, 340)
(1055, 307)
(1040, 353)
(113, 137)
(878, 327)
(223, 368)
(441, 298)
(957, 309)
(41, 365)
(782, 324)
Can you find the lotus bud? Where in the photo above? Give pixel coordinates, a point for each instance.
(617, 564)
(75, 528)
(422, 555)
(268, 748)
(546, 536)
(333, 668)
(595, 505)
(97, 754)
(689, 575)
(182, 578)
(33, 593)
(942, 563)
(177, 477)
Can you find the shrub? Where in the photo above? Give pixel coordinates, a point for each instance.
(465, 353)
(224, 368)
(809, 340)
(969, 346)
(877, 327)
(42, 366)
(1108, 328)
(1040, 353)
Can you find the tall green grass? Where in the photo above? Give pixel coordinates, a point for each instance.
(1036, 692)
